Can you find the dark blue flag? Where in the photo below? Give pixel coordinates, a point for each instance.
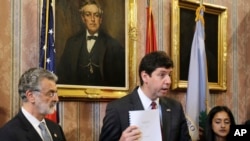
(47, 48)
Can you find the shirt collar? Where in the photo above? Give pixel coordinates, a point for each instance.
(34, 121)
(88, 34)
(146, 102)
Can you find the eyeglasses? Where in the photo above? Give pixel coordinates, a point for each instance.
(50, 93)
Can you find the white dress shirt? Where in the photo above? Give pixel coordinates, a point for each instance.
(90, 43)
(34, 121)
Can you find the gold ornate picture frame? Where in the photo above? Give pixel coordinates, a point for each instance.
(182, 31)
(100, 93)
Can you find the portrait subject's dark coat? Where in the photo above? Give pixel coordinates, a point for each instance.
(111, 61)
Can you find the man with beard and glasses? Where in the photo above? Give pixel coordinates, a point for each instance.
(38, 91)
(155, 72)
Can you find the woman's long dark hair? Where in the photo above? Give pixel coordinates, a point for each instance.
(209, 133)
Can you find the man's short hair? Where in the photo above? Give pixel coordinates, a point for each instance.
(90, 2)
(30, 80)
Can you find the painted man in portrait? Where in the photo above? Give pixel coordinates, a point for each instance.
(92, 57)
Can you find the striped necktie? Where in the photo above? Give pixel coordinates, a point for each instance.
(44, 131)
(153, 105)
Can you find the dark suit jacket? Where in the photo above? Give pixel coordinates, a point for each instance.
(111, 59)
(20, 129)
(116, 119)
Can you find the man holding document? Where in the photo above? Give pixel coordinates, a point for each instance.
(146, 113)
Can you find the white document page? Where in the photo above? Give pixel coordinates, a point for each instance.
(148, 121)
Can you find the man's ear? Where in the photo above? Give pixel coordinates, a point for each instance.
(83, 20)
(100, 20)
(30, 96)
(144, 76)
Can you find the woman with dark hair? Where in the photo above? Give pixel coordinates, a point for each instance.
(218, 124)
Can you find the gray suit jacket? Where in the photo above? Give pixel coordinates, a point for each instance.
(20, 129)
(116, 119)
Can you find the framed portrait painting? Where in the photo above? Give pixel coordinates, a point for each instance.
(95, 53)
(182, 31)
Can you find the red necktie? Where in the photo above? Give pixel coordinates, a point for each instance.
(153, 105)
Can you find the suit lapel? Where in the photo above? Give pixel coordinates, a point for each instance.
(31, 132)
(55, 131)
(135, 102)
(101, 45)
(75, 48)
(52, 131)
(33, 135)
(166, 118)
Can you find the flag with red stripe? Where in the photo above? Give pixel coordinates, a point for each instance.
(150, 33)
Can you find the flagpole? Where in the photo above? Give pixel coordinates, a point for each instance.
(203, 22)
(46, 33)
(149, 10)
(207, 94)
(201, 2)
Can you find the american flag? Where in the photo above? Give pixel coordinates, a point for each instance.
(47, 48)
